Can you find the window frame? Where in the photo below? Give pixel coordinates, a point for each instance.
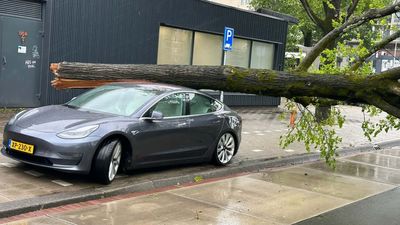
(187, 109)
(207, 97)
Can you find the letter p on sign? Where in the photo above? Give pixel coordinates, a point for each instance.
(228, 38)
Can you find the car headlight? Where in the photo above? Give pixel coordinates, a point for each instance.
(15, 118)
(81, 132)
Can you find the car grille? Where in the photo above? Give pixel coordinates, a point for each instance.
(29, 158)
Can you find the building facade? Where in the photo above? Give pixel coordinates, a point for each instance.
(242, 4)
(35, 33)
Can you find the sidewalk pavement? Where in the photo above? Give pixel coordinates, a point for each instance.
(25, 188)
(272, 196)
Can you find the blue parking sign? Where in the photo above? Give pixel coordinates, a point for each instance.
(228, 38)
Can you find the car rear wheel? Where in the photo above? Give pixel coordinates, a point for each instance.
(225, 149)
(107, 161)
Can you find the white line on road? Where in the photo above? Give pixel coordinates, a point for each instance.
(8, 165)
(289, 150)
(278, 130)
(268, 131)
(33, 173)
(257, 131)
(257, 150)
(62, 183)
(245, 132)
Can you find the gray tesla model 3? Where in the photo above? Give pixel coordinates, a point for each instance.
(125, 126)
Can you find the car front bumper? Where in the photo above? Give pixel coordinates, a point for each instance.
(50, 151)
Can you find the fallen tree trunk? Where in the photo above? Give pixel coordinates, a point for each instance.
(380, 91)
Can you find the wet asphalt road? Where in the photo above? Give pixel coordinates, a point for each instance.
(382, 209)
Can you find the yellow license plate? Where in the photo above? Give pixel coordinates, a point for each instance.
(19, 146)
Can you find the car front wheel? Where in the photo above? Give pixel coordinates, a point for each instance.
(108, 161)
(225, 149)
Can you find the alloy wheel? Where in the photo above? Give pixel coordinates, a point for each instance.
(115, 161)
(225, 148)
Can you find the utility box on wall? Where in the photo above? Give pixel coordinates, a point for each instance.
(128, 32)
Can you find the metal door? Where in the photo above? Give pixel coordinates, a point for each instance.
(20, 62)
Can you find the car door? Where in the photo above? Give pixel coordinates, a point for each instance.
(166, 139)
(206, 121)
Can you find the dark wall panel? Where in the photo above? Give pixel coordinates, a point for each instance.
(21, 8)
(126, 31)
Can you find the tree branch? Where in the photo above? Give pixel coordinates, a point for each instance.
(379, 102)
(350, 10)
(374, 49)
(348, 25)
(392, 74)
(311, 14)
(322, 87)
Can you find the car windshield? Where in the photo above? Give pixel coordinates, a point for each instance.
(118, 100)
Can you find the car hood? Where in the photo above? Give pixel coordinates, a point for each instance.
(58, 118)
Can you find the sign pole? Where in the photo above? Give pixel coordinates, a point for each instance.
(227, 46)
(221, 94)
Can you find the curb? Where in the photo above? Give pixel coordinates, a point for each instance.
(13, 208)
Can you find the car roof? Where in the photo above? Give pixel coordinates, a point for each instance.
(154, 86)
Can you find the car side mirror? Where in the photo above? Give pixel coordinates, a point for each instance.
(156, 115)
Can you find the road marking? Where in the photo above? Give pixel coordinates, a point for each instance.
(62, 183)
(278, 130)
(260, 134)
(120, 176)
(33, 173)
(245, 132)
(268, 131)
(289, 150)
(8, 165)
(257, 131)
(257, 150)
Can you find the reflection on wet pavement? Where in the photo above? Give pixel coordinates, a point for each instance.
(274, 196)
(162, 208)
(368, 172)
(323, 182)
(262, 199)
(378, 160)
(392, 152)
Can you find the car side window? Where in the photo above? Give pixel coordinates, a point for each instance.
(200, 104)
(170, 106)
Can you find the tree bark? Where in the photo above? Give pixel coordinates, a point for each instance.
(381, 90)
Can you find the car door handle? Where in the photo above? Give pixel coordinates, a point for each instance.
(181, 124)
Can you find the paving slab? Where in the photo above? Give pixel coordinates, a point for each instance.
(162, 208)
(382, 209)
(365, 171)
(388, 161)
(323, 182)
(395, 151)
(262, 199)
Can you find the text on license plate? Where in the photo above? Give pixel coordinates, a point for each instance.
(19, 146)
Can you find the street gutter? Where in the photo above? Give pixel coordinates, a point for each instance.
(17, 207)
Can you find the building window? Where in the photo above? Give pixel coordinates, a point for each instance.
(174, 46)
(207, 49)
(240, 54)
(185, 47)
(262, 55)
